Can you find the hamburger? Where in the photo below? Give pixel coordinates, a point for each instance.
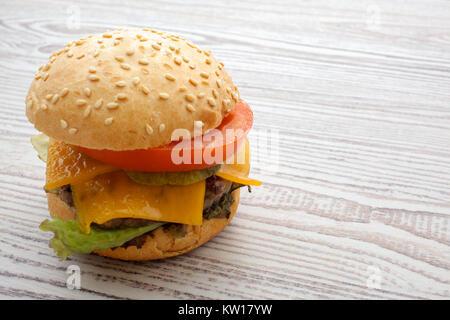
(144, 139)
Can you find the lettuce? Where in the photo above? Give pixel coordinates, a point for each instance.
(69, 239)
(40, 144)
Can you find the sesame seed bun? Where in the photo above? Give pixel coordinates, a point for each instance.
(128, 89)
(161, 244)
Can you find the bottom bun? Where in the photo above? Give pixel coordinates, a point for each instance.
(159, 244)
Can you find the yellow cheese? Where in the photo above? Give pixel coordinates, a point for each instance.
(114, 195)
(238, 168)
(65, 165)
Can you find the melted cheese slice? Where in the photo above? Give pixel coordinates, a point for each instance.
(65, 165)
(237, 168)
(114, 195)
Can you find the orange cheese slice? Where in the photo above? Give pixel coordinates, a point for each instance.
(237, 168)
(65, 165)
(114, 195)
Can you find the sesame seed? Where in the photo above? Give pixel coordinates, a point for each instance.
(116, 42)
(216, 72)
(81, 102)
(208, 61)
(162, 127)
(99, 41)
(205, 82)
(211, 102)
(139, 36)
(93, 77)
(214, 93)
(119, 37)
(177, 60)
(207, 53)
(198, 124)
(130, 52)
(155, 46)
(219, 67)
(122, 96)
(182, 89)
(108, 121)
(145, 89)
(63, 124)
(80, 56)
(92, 70)
(193, 82)
(204, 75)
(119, 58)
(98, 104)
(164, 96)
(112, 105)
(190, 107)
(169, 77)
(221, 63)
(125, 66)
(87, 111)
(228, 89)
(186, 59)
(44, 106)
(73, 130)
(107, 35)
(177, 50)
(149, 129)
(69, 54)
(200, 95)
(45, 77)
(121, 84)
(38, 77)
(171, 47)
(235, 96)
(135, 80)
(30, 103)
(55, 98)
(96, 53)
(48, 97)
(79, 42)
(46, 67)
(143, 62)
(219, 83)
(87, 92)
(189, 97)
(226, 102)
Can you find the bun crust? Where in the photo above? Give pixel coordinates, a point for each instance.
(161, 244)
(128, 89)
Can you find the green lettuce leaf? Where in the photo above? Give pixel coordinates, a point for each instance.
(174, 178)
(69, 239)
(40, 144)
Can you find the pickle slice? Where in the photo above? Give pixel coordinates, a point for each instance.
(173, 178)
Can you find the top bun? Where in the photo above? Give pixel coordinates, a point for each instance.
(128, 89)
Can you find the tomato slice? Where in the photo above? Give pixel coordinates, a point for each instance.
(197, 153)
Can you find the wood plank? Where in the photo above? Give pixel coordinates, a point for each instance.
(358, 96)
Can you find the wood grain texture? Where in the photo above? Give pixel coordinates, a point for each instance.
(358, 94)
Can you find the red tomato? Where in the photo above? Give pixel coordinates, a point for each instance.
(160, 159)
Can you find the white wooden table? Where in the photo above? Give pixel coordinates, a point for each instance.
(358, 93)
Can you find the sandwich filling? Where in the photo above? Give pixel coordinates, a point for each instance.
(114, 207)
